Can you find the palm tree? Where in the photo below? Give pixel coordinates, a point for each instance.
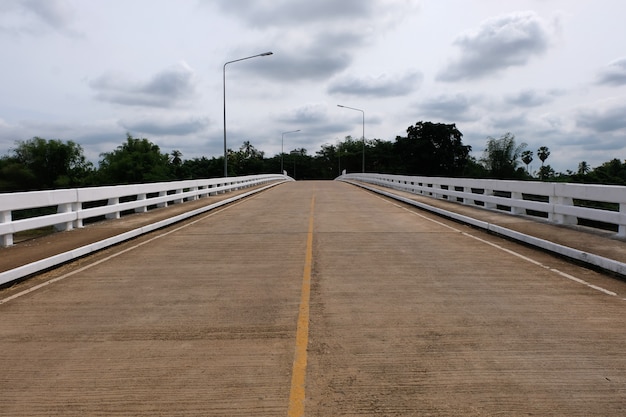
(583, 168)
(527, 158)
(177, 157)
(543, 153)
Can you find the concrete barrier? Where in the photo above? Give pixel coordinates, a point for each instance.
(68, 209)
(601, 206)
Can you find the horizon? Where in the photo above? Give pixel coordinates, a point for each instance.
(551, 72)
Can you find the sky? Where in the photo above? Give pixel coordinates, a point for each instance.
(551, 72)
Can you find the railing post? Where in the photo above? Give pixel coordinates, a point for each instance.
(437, 194)
(195, 190)
(144, 208)
(489, 205)
(178, 200)
(113, 202)
(466, 200)
(164, 203)
(6, 217)
(515, 197)
(560, 218)
(621, 228)
(77, 206)
(67, 226)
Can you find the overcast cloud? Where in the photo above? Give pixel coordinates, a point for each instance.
(552, 72)
(165, 89)
(614, 74)
(497, 44)
(381, 86)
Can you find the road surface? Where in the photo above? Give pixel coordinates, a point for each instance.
(316, 299)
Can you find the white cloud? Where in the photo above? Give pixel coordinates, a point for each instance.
(614, 74)
(604, 117)
(312, 113)
(32, 16)
(498, 43)
(522, 72)
(530, 98)
(165, 89)
(450, 107)
(159, 125)
(313, 40)
(289, 13)
(382, 86)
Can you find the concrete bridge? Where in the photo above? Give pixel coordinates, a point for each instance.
(317, 299)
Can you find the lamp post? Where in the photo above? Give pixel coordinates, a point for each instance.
(352, 108)
(282, 142)
(224, 85)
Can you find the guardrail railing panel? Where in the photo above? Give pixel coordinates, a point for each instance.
(592, 205)
(72, 207)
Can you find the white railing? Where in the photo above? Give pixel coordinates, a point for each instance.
(601, 206)
(70, 208)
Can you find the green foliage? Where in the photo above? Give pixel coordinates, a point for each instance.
(38, 163)
(543, 153)
(432, 149)
(527, 158)
(350, 154)
(611, 172)
(474, 169)
(501, 156)
(583, 168)
(546, 173)
(429, 149)
(136, 161)
(14, 176)
(247, 161)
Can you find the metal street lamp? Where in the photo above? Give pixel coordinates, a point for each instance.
(224, 85)
(282, 142)
(352, 108)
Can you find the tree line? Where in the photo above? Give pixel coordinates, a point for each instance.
(427, 149)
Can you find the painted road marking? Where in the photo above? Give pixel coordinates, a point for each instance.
(115, 255)
(519, 255)
(298, 375)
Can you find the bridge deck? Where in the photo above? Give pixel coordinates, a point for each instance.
(380, 309)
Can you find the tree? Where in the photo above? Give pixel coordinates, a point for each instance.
(16, 177)
(248, 160)
(177, 157)
(611, 172)
(527, 158)
(42, 164)
(203, 167)
(583, 168)
(500, 156)
(176, 161)
(301, 163)
(135, 161)
(543, 153)
(379, 156)
(546, 172)
(328, 161)
(432, 149)
(350, 154)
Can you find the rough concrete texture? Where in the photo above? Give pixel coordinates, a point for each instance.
(410, 314)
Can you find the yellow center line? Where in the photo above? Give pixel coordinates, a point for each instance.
(296, 395)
